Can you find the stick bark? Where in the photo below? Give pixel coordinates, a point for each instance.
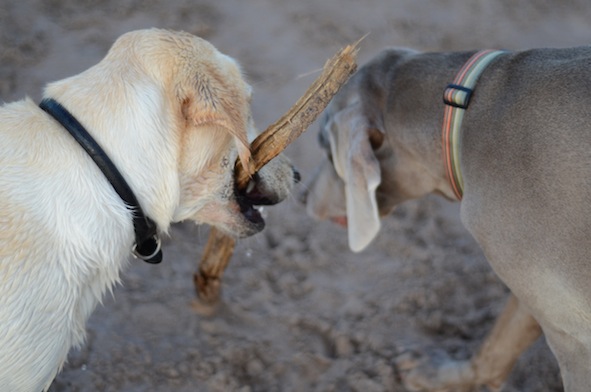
(266, 146)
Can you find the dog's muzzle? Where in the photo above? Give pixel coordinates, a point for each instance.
(258, 194)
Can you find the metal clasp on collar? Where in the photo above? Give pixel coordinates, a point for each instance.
(457, 96)
(151, 258)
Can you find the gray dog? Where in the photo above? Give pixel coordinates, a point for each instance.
(511, 139)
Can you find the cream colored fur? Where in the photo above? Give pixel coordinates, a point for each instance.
(173, 114)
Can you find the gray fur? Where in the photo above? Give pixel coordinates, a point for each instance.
(526, 162)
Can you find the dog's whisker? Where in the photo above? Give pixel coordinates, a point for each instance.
(309, 73)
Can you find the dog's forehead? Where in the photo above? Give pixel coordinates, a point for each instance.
(346, 97)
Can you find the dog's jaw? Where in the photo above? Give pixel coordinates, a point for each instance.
(233, 212)
(216, 201)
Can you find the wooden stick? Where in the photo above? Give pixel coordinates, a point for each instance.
(266, 146)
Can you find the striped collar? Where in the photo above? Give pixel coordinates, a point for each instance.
(456, 97)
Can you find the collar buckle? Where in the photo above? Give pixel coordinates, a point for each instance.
(457, 96)
(149, 251)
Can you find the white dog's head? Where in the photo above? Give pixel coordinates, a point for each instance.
(216, 123)
(174, 115)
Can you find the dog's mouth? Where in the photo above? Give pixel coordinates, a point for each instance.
(250, 211)
(251, 201)
(339, 220)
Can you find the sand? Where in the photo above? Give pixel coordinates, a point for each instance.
(300, 311)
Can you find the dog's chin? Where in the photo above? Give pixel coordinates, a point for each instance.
(243, 220)
(241, 225)
(253, 221)
(250, 204)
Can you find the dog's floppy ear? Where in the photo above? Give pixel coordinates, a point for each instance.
(353, 141)
(214, 103)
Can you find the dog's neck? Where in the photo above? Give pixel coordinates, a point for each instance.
(141, 154)
(457, 96)
(147, 240)
(418, 108)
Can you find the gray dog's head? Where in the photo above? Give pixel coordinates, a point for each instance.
(370, 165)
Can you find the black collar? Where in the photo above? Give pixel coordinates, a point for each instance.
(147, 242)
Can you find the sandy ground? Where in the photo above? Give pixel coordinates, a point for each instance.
(300, 312)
